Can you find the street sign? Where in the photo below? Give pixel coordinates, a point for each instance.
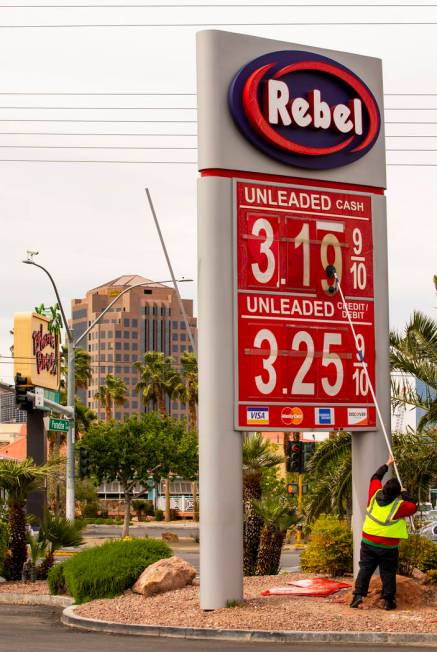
(51, 395)
(39, 398)
(58, 425)
(297, 363)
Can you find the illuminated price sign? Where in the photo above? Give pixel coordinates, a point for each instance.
(297, 363)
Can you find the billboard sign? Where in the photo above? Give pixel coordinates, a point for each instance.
(297, 365)
(36, 351)
(304, 109)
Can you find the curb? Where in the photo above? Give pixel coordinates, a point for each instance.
(36, 599)
(70, 619)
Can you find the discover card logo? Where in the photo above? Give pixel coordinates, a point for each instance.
(357, 416)
(257, 416)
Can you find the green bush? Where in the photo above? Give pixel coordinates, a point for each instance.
(90, 510)
(417, 552)
(432, 576)
(159, 515)
(4, 541)
(143, 508)
(56, 579)
(107, 570)
(330, 548)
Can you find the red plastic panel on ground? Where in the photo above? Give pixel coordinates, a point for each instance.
(318, 587)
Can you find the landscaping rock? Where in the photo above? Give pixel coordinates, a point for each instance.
(420, 576)
(164, 575)
(2, 579)
(170, 537)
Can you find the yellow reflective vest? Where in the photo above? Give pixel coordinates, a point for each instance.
(379, 520)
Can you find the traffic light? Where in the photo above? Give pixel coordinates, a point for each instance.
(308, 450)
(84, 463)
(21, 389)
(295, 457)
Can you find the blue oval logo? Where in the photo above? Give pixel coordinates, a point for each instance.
(304, 109)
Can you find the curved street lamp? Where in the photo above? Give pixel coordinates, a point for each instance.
(72, 344)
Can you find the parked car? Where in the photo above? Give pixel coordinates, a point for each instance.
(430, 532)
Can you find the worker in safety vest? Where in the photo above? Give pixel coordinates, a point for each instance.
(383, 529)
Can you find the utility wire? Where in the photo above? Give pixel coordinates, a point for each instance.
(18, 160)
(158, 147)
(171, 94)
(219, 6)
(164, 108)
(210, 24)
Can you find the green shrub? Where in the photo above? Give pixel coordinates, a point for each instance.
(417, 552)
(432, 576)
(107, 570)
(143, 508)
(90, 510)
(330, 548)
(159, 515)
(56, 579)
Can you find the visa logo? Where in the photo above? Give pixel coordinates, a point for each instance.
(258, 416)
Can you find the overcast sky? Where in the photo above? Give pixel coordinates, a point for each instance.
(89, 221)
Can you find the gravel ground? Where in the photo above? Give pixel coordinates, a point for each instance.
(40, 586)
(181, 609)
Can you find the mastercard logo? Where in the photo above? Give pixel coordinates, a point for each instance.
(291, 416)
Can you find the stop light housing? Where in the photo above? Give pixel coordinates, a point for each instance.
(84, 463)
(309, 448)
(21, 388)
(295, 457)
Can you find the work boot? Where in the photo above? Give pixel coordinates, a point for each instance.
(356, 601)
(389, 604)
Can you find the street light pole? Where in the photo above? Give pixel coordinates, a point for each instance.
(71, 389)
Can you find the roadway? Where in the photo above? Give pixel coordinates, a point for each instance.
(38, 629)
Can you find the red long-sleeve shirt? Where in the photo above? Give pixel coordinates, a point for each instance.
(407, 508)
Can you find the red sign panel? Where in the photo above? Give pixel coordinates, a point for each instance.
(297, 362)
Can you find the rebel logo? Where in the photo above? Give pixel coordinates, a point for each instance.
(304, 109)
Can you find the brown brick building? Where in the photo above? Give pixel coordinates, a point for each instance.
(146, 319)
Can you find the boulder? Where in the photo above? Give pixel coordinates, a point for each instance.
(164, 575)
(170, 537)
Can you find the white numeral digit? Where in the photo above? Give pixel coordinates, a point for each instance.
(331, 240)
(299, 386)
(303, 238)
(332, 339)
(358, 241)
(264, 225)
(359, 274)
(361, 382)
(264, 335)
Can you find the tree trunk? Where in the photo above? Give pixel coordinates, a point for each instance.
(192, 416)
(108, 411)
(252, 524)
(127, 502)
(17, 528)
(270, 547)
(167, 500)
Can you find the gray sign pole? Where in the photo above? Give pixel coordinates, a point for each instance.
(369, 450)
(220, 477)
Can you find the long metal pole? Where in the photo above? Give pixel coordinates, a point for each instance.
(69, 498)
(164, 248)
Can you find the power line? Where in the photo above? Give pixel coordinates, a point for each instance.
(123, 94)
(57, 133)
(18, 160)
(117, 121)
(209, 24)
(106, 147)
(217, 6)
(108, 108)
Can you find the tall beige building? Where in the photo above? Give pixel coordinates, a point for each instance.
(145, 319)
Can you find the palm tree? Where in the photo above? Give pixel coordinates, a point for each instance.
(55, 533)
(330, 469)
(18, 479)
(188, 392)
(257, 457)
(277, 515)
(188, 388)
(82, 367)
(158, 379)
(112, 392)
(415, 352)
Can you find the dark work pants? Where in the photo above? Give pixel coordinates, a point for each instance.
(370, 558)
